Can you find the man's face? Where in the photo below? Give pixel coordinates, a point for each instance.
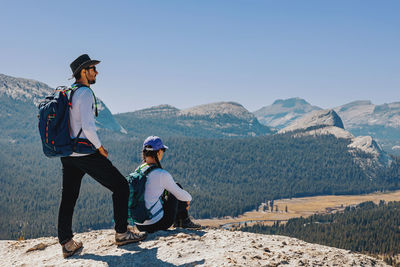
(91, 74)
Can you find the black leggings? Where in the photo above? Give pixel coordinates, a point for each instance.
(174, 209)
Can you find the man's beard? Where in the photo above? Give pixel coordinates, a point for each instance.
(92, 81)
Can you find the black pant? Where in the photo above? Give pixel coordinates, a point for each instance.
(174, 210)
(102, 170)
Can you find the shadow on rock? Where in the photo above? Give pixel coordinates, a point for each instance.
(144, 257)
(171, 233)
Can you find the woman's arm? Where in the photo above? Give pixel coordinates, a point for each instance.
(169, 184)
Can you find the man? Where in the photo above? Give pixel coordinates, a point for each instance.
(92, 158)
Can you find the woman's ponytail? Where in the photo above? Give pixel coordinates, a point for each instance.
(153, 154)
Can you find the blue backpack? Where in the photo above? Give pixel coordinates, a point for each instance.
(54, 125)
(137, 211)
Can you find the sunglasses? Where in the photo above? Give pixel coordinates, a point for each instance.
(93, 68)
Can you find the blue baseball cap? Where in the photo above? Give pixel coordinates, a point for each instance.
(153, 143)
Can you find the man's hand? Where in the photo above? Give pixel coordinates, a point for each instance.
(103, 151)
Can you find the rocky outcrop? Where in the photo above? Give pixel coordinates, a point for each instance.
(369, 146)
(314, 120)
(327, 121)
(182, 248)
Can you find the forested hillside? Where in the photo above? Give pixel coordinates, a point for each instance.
(367, 228)
(225, 177)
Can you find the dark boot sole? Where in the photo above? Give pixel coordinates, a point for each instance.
(192, 228)
(125, 242)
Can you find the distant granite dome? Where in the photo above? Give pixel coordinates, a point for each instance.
(158, 111)
(316, 119)
(213, 110)
(290, 102)
(284, 111)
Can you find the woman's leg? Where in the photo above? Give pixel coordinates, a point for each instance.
(182, 218)
(170, 208)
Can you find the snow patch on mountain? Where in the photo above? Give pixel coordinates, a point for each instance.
(182, 248)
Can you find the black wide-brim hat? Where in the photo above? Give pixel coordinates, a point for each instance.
(83, 61)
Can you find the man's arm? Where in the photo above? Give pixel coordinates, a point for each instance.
(88, 122)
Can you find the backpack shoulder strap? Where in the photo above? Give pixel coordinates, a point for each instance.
(150, 168)
(144, 169)
(76, 86)
(73, 89)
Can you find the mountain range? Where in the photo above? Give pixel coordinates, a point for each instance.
(361, 118)
(19, 98)
(217, 120)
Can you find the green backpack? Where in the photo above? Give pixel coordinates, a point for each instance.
(137, 211)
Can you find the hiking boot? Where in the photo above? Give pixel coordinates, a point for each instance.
(187, 224)
(129, 237)
(70, 248)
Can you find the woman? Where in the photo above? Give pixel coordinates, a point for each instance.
(166, 200)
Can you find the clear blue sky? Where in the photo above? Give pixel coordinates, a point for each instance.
(187, 53)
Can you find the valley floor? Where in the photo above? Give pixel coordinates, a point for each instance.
(297, 207)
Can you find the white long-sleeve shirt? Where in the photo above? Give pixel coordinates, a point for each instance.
(82, 117)
(157, 181)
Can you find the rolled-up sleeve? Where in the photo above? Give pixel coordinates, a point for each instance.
(87, 118)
